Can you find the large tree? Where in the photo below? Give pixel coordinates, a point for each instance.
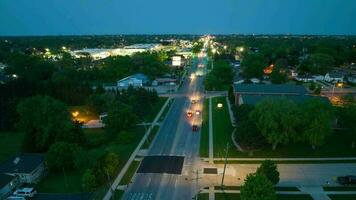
(276, 119)
(60, 156)
(269, 169)
(253, 65)
(257, 186)
(120, 117)
(45, 120)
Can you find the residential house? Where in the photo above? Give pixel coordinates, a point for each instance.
(136, 80)
(305, 78)
(334, 77)
(352, 78)
(7, 184)
(27, 167)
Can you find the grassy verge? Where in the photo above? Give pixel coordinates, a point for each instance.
(10, 143)
(204, 135)
(277, 188)
(340, 188)
(222, 128)
(232, 196)
(165, 111)
(337, 145)
(342, 196)
(150, 137)
(156, 108)
(203, 196)
(129, 173)
(285, 161)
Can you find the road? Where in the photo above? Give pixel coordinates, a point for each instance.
(175, 137)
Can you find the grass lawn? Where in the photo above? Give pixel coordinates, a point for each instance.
(10, 143)
(129, 173)
(156, 108)
(342, 196)
(337, 145)
(203, 196)
(165, 111)
(277, 188)
(222, 128)
(61, 182)
(285, 161)
(232, 196)
(150, 137)
(204, 136)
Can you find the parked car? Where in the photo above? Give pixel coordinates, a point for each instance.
(346, 180)
(189, 114)
(195, 128)
(25, 192)
(15, 198)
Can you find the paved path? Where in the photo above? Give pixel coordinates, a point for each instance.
(316, 192)
(211, 139)
(133, 155)
(232, 117)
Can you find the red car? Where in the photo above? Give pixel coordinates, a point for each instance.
(189, 114)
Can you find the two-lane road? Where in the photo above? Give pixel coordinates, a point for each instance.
(175, 137)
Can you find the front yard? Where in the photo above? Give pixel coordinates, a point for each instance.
(10, 143)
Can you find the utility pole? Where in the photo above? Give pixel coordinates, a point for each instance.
(196, 196)
(226, 151)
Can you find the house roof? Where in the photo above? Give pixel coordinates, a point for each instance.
(336, 75)
(5, 179)
(23, 163)
(270, 89)
(254, 99)
(139, 76)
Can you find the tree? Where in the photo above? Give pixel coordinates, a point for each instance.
(45, 120)
(320, 63)
(278, 75)
(276, 119)
(106, 166)
(220, 78)
(269, 169)
(317, 118)
(257, 186)
(60, 156)
(347, 121)
(253, 65)
(88, 180)
(120, 117)
(248, 136)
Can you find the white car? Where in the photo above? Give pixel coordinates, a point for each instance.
(25, 192)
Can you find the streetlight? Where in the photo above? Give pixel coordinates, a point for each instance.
(220, 105)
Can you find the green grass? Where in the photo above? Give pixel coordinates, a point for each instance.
(337, 145)
(277, 188)
(232, 196)
(150, 137)
(156, 108)
(10, 143)
(165, 111)
(340, 188)
(203, 196)
(67, 182)
(222, 128)
(342, 196)
(285, 161)
(55, 182)
(129, 173)
(204, 136)
(95, 137)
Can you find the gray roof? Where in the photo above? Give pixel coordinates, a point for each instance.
(270, 89)
(5, 179)
(254, 99)
(139, 76)
(336, 75)
(23, 163)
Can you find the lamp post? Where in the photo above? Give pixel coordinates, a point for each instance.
(226, 151)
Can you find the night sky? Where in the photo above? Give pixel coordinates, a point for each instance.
(78, 17)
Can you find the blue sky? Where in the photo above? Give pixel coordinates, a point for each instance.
(77, 17)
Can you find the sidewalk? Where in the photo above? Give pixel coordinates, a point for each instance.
(211, 148)
(285, 159)
(133, 155)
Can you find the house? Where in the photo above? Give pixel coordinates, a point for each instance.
(7, 184)
(352, 78)
(305, 78)
(164, 81)
(334, 77)
(136, 80)
(267, 89)
(28, 167)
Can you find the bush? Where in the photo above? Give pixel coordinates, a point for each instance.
(269, 169)
(257, 187)
(60, 156)
(88, 180)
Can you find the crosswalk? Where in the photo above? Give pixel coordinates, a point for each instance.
(140, 196)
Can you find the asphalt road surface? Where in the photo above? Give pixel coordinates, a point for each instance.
(175, 138)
